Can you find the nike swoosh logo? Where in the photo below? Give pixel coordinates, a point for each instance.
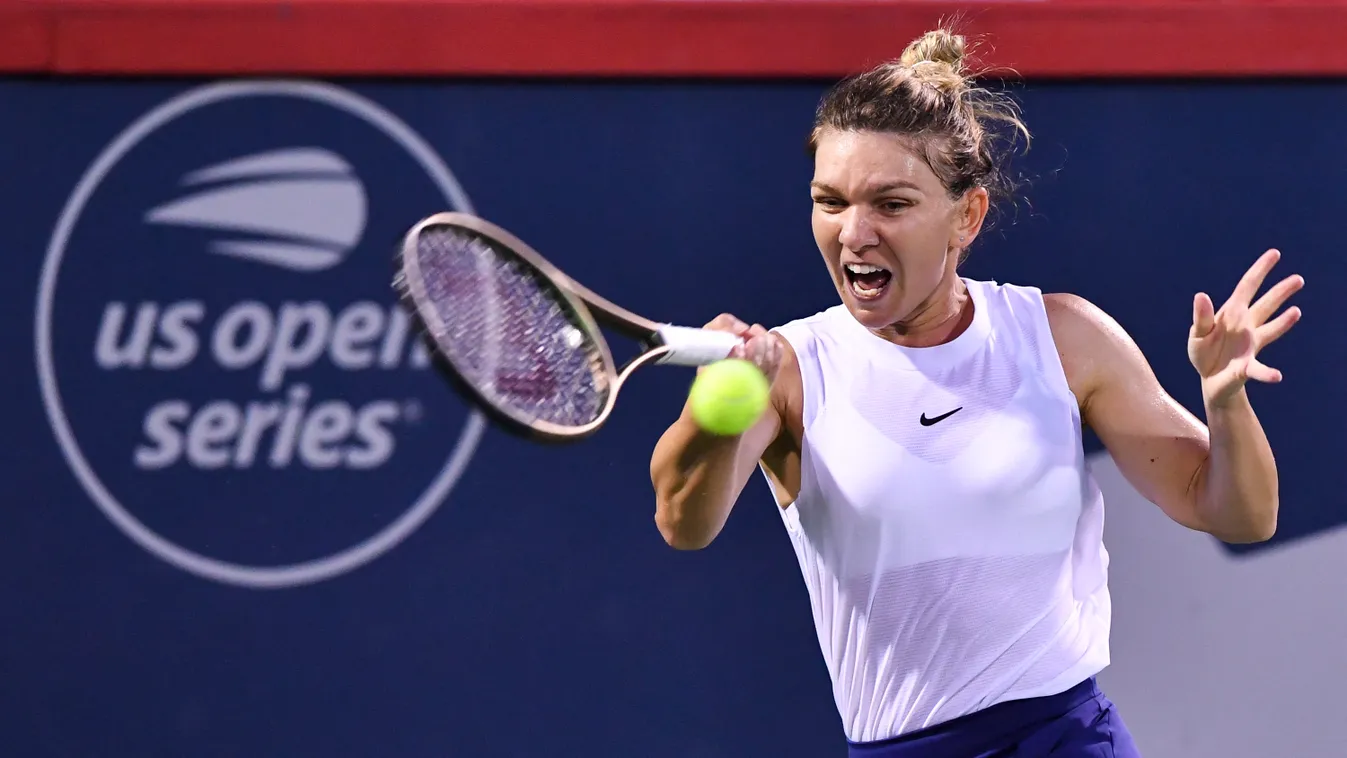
(928, 421)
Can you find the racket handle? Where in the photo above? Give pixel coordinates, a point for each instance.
(690, 346)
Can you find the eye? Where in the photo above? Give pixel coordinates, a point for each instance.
(829, 203)
(894, 206)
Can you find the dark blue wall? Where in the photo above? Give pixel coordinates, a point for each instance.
(537, 612)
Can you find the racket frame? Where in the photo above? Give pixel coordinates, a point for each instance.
(657, 343)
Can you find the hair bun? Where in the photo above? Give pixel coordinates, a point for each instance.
(937, 46)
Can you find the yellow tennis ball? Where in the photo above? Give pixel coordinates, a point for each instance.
(729, 396)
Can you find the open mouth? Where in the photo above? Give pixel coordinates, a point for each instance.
(867, 281)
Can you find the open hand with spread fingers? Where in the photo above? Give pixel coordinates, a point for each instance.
(1223, 344)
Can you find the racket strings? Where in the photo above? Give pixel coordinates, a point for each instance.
(508, 331)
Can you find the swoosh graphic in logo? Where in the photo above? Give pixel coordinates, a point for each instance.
(304, 208)
(295, 160)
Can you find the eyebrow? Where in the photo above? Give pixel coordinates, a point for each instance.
(881, 189)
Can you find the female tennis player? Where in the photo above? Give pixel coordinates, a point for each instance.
(924, 441)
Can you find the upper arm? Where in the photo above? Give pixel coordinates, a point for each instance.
(1158, 446)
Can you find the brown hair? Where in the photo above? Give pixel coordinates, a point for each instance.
(957, 126)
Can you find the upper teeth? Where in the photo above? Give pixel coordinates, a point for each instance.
(863, 268)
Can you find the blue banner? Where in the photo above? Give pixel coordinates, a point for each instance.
(245, 517)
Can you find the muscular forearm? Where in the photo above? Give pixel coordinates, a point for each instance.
(1237, 494)
(696, 481)
(698, 476)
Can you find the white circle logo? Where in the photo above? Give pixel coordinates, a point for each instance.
(234, 371)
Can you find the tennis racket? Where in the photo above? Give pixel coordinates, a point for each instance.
(520, 339)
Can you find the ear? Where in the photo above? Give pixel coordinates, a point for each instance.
(969, 213)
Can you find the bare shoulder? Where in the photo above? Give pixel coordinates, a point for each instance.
(1092, 345)
(1077, 317)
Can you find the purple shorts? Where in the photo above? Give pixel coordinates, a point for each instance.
(1078, 723)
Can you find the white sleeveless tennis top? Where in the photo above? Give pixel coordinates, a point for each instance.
(946, 527)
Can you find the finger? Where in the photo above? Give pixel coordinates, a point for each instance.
(1274, 329)
(1263, 373)
(1204, 315)
(753, 350)
(772, 348)
(1252, 280)
(738, 328)
(756, 330)
(775, 352)
(765, 347)
(1272, 301)
(726, 322)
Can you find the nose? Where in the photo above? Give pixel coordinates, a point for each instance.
(857, 232)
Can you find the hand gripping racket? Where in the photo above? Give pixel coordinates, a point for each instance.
(519, 338)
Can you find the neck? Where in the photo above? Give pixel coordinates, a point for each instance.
(941, 317)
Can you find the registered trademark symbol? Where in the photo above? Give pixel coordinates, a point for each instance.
(412, 411)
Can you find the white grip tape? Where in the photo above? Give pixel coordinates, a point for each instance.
(689, 346)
